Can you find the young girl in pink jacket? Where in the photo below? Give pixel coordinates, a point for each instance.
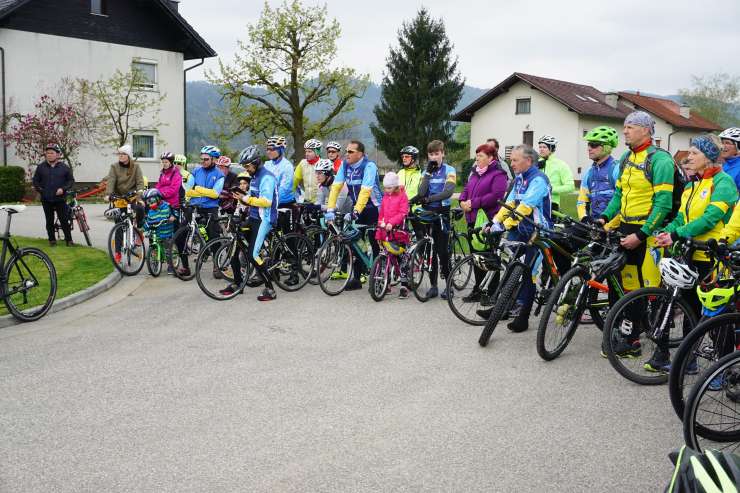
(391, 218)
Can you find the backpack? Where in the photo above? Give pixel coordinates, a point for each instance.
(679, 180)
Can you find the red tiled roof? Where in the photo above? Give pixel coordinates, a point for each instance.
(583, 99)
(669, 110)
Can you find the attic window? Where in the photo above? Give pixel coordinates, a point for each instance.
(580, 97)
(99, 7)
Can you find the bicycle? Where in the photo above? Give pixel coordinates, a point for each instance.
(338, 253)
(28, 280)
(126, 247)
(74, 212)
(386, 270)
(156, 253)
(189, 240)
(579, 289)
(517, 267)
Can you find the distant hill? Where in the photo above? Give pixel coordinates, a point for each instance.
(204, 101)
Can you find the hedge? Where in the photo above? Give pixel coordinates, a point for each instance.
(465, 168)
(12, 183)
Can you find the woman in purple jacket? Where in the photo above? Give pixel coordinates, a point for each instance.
(486, 186)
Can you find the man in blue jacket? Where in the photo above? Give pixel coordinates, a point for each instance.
(282, 169)
(731, 153)
(52, 180)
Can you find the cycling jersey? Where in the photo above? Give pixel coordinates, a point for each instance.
(559, 175)
(731, 231)
(437, 180)
(530, 195)
(263, 206)
(597, 188)
(207, 186)
(305, 178)
(409, 178)
(732, 168)
(363, 185)
(282, 170)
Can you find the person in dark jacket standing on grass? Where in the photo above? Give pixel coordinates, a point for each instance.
(52, 180)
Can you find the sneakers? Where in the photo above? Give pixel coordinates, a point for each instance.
(353, 285)
(292, 280)
(628, 349)
(338, 276)
(183, 271)
(445, 294)
(267, 295)
(484, 312)
(433, 292)
(170, 270)
(52, 242)
(363, 278)
(116, 256)
(69, 243)
(520, 322)
(473, 297)
(229, 290)
(692, 368)
(403, 293)
(717, 383)
(217, 274)
(660, 362)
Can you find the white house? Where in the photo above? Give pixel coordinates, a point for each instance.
(524, 107)
(42, 41)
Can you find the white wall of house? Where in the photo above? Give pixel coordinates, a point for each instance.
(34, 63)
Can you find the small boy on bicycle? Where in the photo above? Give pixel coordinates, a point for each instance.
(391, 218)
(160, 217)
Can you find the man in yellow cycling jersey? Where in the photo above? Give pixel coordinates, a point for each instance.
(643, 199)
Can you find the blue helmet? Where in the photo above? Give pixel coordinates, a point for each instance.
(212, 151)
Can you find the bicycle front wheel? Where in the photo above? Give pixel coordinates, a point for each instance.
(213, 269)
(30, 284)
(640, 333)
(469, 297)
(126, 249)
(84, 227)
(154, 260)
(185, 246)
(334, 266)
(291, 262)
(420, 269)
(507, 296)
(562, 313)
(379, 274)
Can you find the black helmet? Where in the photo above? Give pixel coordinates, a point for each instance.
(168, 156)
(250, 155)
(152, 195)
(53, 147)
(710, 471)
(410, 150)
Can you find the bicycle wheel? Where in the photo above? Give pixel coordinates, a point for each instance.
(84, 227)
(712, 416)
(215, 256)
(186, 245)
(700, 349)
(420, 269)
(127, 257)
(334, 266)
(30, 284)
(562, 313)
(316, 236)
(291, 262)
(469, 297)
(154, 260)
(629, 338)
(507, 296)
(460, 249)
(379, 273)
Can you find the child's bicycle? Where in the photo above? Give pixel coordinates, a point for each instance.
(157, 253)
(386, 270)
(74, 213)
(337, 254)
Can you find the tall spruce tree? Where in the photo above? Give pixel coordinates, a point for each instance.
(421, 87)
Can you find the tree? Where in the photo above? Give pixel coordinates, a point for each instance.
(284, 69)
(421, 87)
(123, 106)
(715, 97)
(461, 137)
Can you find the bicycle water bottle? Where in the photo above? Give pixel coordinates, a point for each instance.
(203, 232)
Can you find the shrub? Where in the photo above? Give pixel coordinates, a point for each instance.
(465, 168)
(12, 183)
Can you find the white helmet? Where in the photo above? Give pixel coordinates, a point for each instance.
(732, 133)
(313, 144)
(677, 275)
(548, 140)
(324, 166)
(334, 145)
(276, 141)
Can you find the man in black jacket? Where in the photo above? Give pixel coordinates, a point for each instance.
(52, 179)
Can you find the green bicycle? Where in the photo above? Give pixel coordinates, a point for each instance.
(337, 254)
(157, 253)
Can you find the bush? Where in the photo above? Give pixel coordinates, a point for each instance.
(12, 183)
(465, 168)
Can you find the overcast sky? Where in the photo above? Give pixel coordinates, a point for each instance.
(650, 45)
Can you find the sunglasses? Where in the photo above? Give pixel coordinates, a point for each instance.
(350, 151)
(593, 145)
(205, 159)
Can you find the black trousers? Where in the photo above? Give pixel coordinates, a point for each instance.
(60, 208)
(236, 267)
(441, 260)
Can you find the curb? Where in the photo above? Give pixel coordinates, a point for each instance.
(73, 299)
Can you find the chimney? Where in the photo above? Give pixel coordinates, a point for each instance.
(685, 111)
(611, 99)
(174, 4)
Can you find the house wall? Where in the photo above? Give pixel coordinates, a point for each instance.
(34, 63)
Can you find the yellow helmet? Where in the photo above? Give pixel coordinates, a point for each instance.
(394, 248)
(716, 293)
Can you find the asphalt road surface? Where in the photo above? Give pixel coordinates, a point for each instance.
(153, 387)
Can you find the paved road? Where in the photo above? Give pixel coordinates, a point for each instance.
(154, 387)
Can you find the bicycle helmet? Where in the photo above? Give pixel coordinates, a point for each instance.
(394, 248)
(334, 145)
(181, 159)
(276, 141)
(716, 293)
(611, 263)
(223, 161)
(168, 156)
(350, 234)
(411, 151)
(677, 275)
(243, 176)
(548, 140)
(603, 135)
(53, 147)
(733, 134)
(313, 144)
(113, 213)
(324, 166)
(713, 471)
(212, 151)
(151, 194)
(250, 155)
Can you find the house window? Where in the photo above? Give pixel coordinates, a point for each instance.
(148, 70)
(507, 153)
(523, 106)
(99, 7)
(658, 141)
(528, 138)
(143, 146)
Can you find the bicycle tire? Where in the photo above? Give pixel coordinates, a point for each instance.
(507, 296)
(210, 251)
(84, 227)
(422, 252)
(153, 260)
(460, 249)
(692, 432)
(378, 282)
(17, 274)
(291, 255)
(612, 334)
(191, 251)
(679, 386)
(555, 304)
(331, 256)
(316, 236)
(464, 315)
(126, 256)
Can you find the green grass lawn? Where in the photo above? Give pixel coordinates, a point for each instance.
(77, 267)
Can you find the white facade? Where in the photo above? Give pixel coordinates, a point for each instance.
(35, 62)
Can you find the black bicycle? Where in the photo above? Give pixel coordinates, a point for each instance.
(74, 212)
(28, 280)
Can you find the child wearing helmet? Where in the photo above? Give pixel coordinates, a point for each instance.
(391, 219)
(160, 217)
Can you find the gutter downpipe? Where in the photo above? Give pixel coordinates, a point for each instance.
(184, 101)
(2, 77)
(669, 140)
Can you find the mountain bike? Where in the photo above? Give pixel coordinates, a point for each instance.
(74, 213)
(157, 252)
(28, 280)
(335, 259)
(126, 247)
(188, 241)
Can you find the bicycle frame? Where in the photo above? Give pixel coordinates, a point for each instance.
(9, 247)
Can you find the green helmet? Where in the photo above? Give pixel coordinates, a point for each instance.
(603, 135)
(181, 159)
